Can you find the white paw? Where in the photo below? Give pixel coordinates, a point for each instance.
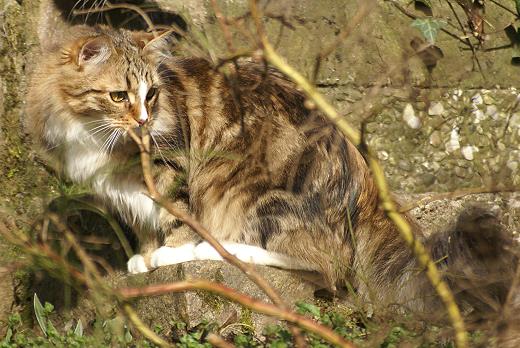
(170, 256)
(204, 251)
(136, 264)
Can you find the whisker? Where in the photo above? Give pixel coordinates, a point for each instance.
(114, 141)
(97, 128)
(95, 121)
(103, 131)
(168, 163)
(172, 147)
(107, 142)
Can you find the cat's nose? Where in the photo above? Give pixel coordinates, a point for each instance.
(141, 122)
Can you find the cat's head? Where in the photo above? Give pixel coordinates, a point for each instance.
(115, 76)
(104, 80)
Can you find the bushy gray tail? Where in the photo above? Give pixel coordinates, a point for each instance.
(478, 259)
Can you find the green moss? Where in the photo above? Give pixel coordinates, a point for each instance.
(246, 317)
(22, 178)
(215, 302)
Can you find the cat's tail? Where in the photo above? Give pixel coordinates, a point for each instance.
(478, 259)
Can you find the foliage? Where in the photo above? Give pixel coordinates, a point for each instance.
(114, 332)
(429, 27)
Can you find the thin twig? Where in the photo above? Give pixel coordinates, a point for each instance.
(505, 8)
(361, 13)
(468, 41)
(109, 7)
(246, 301)
(387, 203)
(453, 195)
(223, 26)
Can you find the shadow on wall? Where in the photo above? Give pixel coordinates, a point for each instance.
(119, 17)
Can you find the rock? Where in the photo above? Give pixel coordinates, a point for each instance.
(467, 152)
(460, 172)
(427, 179)
(488, 99)
(435, 138)
(492, 110)
(404, 165)
(453, 144)
(513, 165)
(479, 115)
(477, 99)
(438, 215)
(515, 120)
(195, 306)
(409, 117)
(436, 109)
(382, 155)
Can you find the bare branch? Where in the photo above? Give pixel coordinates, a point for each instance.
(109, 7)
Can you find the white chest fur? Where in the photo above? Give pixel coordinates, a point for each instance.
(128, 198)
(85, 163)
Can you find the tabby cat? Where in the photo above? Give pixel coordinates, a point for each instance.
(275, 182)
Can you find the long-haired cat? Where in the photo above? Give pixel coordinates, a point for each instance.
(275, 182)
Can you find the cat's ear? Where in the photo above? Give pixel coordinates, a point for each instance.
(93, 51)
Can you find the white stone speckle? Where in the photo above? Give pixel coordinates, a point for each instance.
(492, 110)
(436, 109)
(409, 117)
(477, 99)
(513, 165)
(453, 144)
(468, 151)
(382, 155)
(479, 115)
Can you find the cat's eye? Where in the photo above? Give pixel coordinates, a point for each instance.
(151, 93)
(119, 97)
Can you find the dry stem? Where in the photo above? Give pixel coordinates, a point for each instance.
(453, 195)
(145, 330)
(109, 6)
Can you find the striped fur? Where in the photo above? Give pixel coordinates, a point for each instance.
(240, 152)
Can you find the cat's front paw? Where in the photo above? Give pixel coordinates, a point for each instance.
(170, 256)
(136, 264)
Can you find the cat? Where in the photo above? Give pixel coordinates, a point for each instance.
(274, 181)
